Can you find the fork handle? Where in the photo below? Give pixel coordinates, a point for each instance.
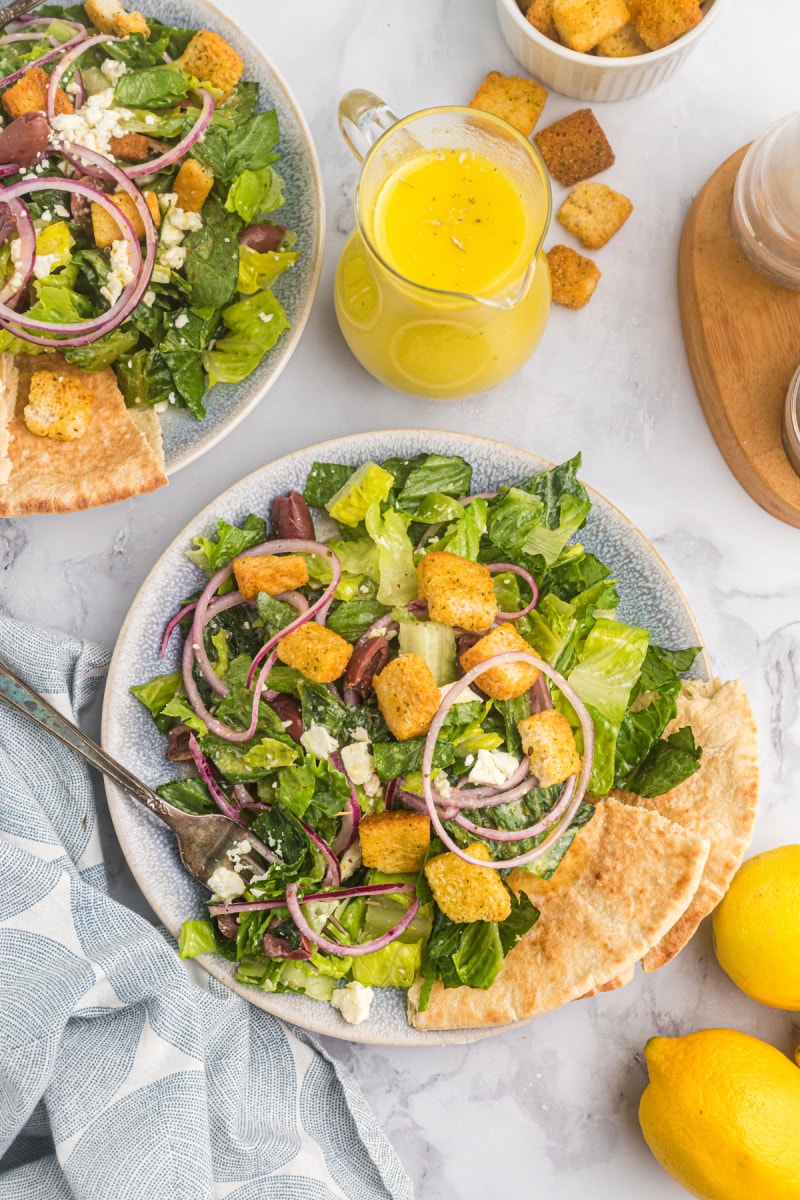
(18, 9)
(23, 700)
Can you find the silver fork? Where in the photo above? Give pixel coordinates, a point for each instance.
(17, 9)
(203, 841)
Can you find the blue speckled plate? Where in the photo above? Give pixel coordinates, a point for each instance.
(185, 438)
(650, 597)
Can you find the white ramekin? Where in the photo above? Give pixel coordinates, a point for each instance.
(586, 77)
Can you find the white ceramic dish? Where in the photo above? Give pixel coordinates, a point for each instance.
(185, 438)
(650, 597)
(586, 77)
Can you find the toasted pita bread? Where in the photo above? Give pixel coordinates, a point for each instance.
(119, 456)
(9, 385)
(623, 883)
(719, 802)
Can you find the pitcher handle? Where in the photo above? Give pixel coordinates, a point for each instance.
(363, 118)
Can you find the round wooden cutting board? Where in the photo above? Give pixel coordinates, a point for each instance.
(742, 336)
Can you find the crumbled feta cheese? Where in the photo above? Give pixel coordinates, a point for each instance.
(18, 278)
(466, 695)
(442, 786)
(360, 734)
(92, 126)
(226, 884)
(149, 298)
(113, 70)
(73, 87)
(265, 317)
(181, 320)
(162, 406)
(350, 860)
(316, 740)
(150, 119)
(43, 265)
(46, 216)
(360, 766)
(353, 1002)
(174, 258)
(493, 768)
(121, 273)
(61, 211)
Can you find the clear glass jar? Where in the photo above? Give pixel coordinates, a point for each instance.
(765, 206)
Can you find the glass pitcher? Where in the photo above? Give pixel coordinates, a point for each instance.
(428, 302)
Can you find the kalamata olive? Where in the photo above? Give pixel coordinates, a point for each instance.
(262, 238)
(466, 641)
(278, 947)
(25, 140)
(228, 925)
(291, 517)
(367, 660)
(289, 712)
(7, 223)
(178, 744)
(80, 207)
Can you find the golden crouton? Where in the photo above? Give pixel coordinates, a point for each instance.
(59, 406)
(625, 43)
(465, 892)
(270, 573)
(395, 841)
(518, 101)
(593, 213)
(407, 696)
(130, 148)
(109, 16)
(192, 185)
(540, 15)
(212, 60)
(582, 23)
(575, 147)
(549, 743)
(573, 278)
(458, 591)
(510, 679)
(105, 228)
(316, 652)
(29, 94)
(659, 22)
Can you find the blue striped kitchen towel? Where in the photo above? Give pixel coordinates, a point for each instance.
(120, 1077)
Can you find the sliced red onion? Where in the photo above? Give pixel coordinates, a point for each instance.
(45, 58)
(344, 950)
(277, 947)
(74, 49)
(519, 835)
(416, 803)
(389, 794)
(481, 792)
(204, 769)
(27, 238)
(587, 727)
(173, 625)
(539, 696)
(177, 151)
(196, 701)
(352, 893)
(386, 622)
(496, 568)
(80, 92)
(351, 816)
(297, 600)
(33, 36)
(333, 875)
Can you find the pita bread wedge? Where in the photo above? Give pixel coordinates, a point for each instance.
(623, 883)
(9, 385)
(719, 802)
(119, 456)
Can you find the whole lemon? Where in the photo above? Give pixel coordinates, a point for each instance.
(757, 928)
(721, 1114)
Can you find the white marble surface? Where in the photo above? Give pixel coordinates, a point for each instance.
(551, 1108)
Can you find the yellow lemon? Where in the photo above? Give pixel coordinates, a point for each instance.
(757, 928)
(721, 1114)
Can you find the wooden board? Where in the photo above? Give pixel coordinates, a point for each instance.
(742, 336)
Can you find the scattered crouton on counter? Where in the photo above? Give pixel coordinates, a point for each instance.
(575, 147)
(549, 743)
(573, 277)
(518, 101)
(507, 680)
(458, 591)
(660, 22)
(593, 213)
(59, 406)
(316, 652)
(270, 573)
(29, 94)
(209, 57)
(192, 185)
(466, 892)
(408, 696)
(394, 841)
(109, 16)
(582, 23)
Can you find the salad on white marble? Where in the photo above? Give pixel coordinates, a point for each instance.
(404, 690)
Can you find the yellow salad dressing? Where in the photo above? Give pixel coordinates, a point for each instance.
(458, 238)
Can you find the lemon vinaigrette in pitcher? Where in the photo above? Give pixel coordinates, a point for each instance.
(442, 289)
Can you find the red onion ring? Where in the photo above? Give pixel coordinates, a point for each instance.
(177, 151)
(385, 622)
(496, 568)
(45, 58)
(217, 795)
(27, 238)
(352, 814)
(539, 696)
(173, 625)
(74, 50)
(333, 875)
(481, 793)
(296, 599)
(519, 835)
(344, 950)
(8, 38)
(587, 727)
(352, 893)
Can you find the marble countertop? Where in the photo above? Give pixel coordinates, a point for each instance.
(550, 1107)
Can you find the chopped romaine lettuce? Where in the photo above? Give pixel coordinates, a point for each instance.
(435, 643)
(398, 575)
(370, 484)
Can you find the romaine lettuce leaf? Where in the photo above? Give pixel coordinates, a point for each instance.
(451, 476)
(325, 480)
(434, 642)
(189, 795)
(393, 759)
(212, 259)
(396, 965)
(669, 762)
(257, 271)
(255, 193)
(464, 536)
(353, 618)
(209, 554)
(203, 937)
(152, 87)
(398, 576)
(255, 324)
(370, 484)
(245, 762)
(156, 693)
